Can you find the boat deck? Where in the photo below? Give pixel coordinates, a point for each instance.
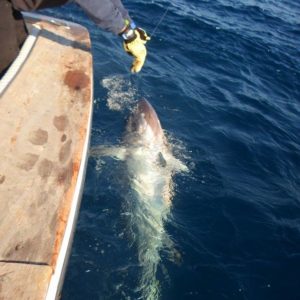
(45, 113)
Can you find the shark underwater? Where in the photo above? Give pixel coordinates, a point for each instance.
(150, 166)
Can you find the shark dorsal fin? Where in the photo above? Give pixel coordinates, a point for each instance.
(161, 160)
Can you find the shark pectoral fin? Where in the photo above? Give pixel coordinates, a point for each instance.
(161, 160)
(114, 152)
(178, 165)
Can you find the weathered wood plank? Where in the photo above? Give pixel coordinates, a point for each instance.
(26, 282)
(44, 116)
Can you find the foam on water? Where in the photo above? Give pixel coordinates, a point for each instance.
(120, 92)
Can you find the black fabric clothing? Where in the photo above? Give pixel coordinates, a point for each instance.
(108, 14)
(13, 30)
(12, 34)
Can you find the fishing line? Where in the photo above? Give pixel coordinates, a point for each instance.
(161, 19)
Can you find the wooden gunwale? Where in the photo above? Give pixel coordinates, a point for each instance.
(46, 114)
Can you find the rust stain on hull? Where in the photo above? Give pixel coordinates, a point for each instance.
(68, 178)
(76, 80)
(64, 211)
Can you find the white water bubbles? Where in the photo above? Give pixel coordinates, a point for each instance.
(121, 93)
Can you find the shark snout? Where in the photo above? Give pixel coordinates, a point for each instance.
(144, 120)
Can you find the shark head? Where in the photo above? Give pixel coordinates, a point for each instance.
(144, 124)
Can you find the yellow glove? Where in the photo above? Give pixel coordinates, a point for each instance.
(136, 48)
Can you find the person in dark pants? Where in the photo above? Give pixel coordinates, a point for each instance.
(108, 14)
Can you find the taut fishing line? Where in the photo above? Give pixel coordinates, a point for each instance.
(161, 19)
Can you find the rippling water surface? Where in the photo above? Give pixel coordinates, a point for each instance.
(224, 78)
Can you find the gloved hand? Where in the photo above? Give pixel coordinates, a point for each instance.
(135, 46)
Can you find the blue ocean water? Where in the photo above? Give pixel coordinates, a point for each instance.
(224, 78)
